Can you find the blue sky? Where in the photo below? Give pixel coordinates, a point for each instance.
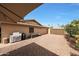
(54, 13)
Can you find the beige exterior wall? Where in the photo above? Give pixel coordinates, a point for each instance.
(57, 31)
(7, 29)
(41, 31)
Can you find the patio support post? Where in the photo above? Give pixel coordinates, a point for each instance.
(49, 30)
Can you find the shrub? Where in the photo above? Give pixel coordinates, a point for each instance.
(77, 45)
(73, 28)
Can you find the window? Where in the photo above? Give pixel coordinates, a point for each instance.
(31, 29)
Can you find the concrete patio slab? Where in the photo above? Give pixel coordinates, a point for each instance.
(45, 45)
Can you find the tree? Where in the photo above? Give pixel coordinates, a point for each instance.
(50, 26)
(62, 26)
(72, 28)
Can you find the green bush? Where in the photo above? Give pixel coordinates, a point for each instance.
(77, 45)
(73, 28)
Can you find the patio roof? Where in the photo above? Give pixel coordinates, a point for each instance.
(16, 11)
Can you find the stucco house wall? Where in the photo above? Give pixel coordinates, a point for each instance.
(7, 29)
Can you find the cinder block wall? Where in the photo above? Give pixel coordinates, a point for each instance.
(57, 31)
(42, 30)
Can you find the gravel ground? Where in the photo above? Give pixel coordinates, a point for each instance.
(45, 45)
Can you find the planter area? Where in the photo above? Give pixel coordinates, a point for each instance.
(71, 42)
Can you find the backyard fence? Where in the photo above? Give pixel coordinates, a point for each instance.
(57, 31)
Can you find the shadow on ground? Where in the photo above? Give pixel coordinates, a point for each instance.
(73, 54)
(32, 49)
